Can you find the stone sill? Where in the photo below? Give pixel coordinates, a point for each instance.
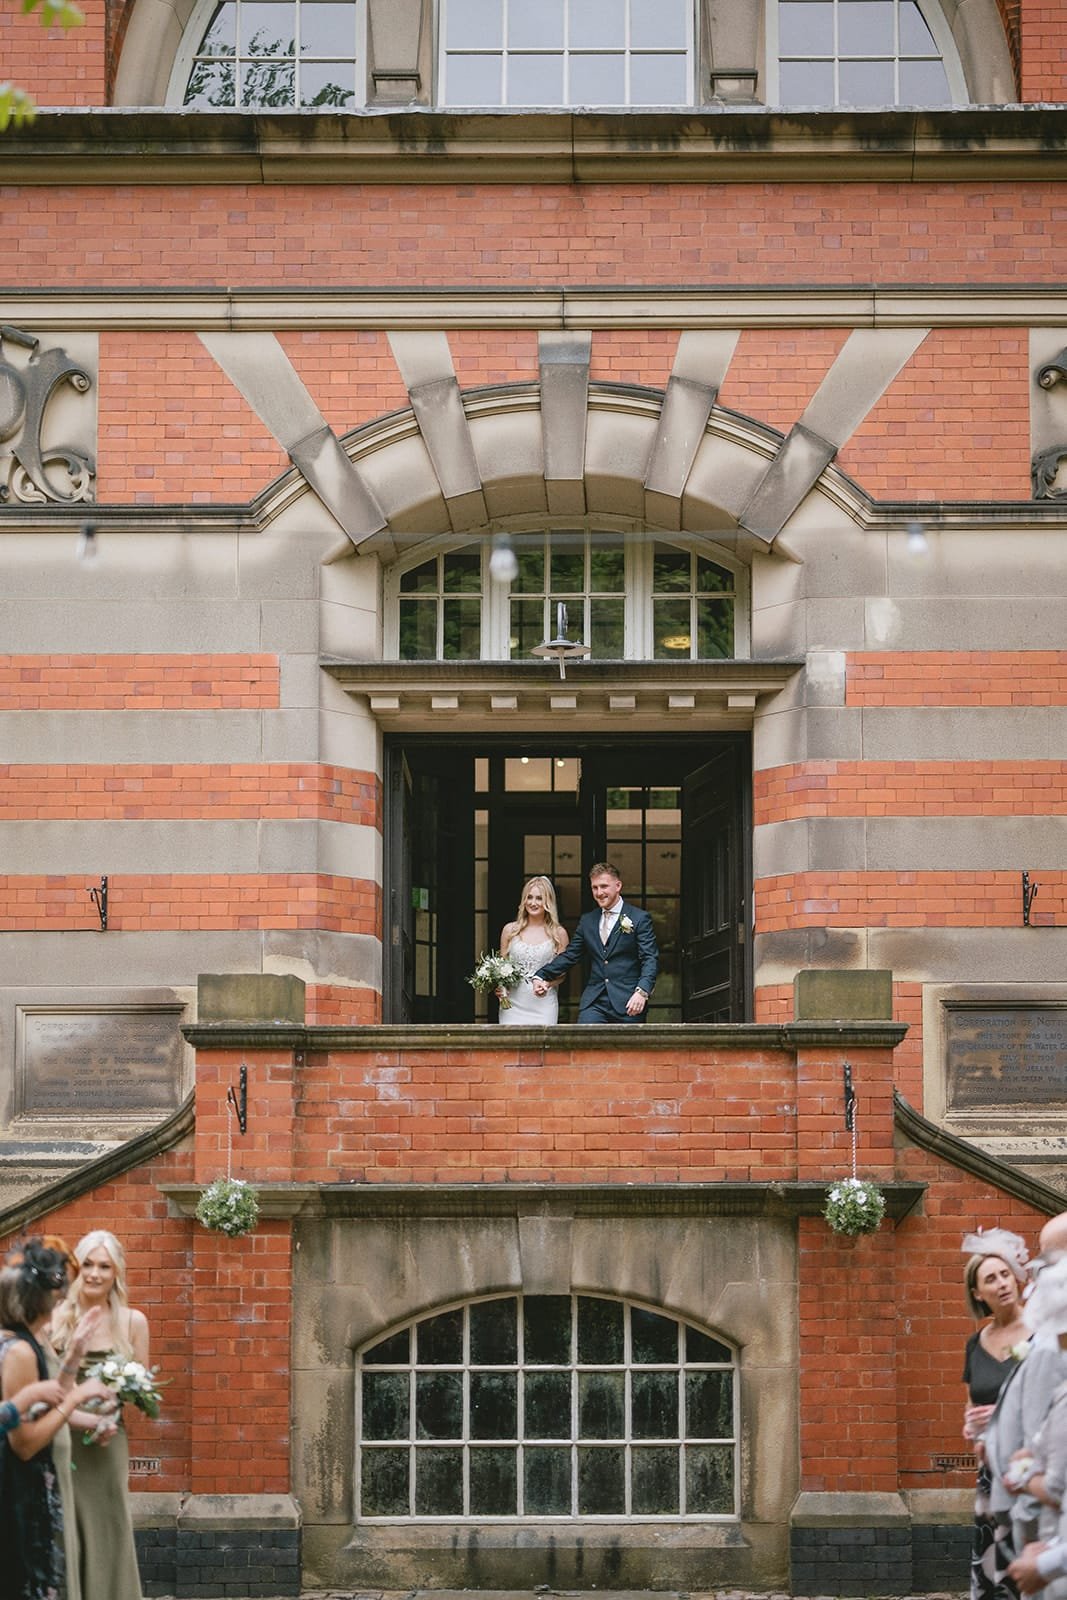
(330, 1200)
(692, 145)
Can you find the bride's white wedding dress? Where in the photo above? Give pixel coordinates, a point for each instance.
(529, 1010)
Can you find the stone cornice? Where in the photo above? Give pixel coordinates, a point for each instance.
(471, 1037)
(254, 308)
(969, 1158)
(309, 1200)
(705, 145)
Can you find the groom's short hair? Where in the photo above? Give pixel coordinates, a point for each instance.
(605, 866)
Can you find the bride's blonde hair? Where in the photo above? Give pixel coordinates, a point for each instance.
(548, 894)
(68, 1312)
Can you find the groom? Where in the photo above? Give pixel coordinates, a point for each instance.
(619, 944)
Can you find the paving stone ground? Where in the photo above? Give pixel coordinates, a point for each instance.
(576, 1594)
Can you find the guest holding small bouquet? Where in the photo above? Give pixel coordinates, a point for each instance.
(119, 1359)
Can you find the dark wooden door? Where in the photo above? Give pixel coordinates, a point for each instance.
(715, 939)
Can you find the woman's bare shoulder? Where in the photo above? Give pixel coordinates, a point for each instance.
(509, 931)
(562, 938)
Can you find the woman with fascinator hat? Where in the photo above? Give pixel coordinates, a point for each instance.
(35, 1454)
(994, 1279)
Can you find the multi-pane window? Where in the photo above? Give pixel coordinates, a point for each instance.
(858, 53)
(279, 53)
(566, 52)
(692, 607)
(440, 608)
(627, 599)
(534, 1406)
(584, 573)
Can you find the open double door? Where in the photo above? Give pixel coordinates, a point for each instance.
(467, 824)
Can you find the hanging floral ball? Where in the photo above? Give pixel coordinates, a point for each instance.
(229, 1205)
(854, 1206)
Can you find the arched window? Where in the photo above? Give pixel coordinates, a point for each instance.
(645, 599)
(566, 53)
(862, 53)
(534, 1406)
(273, 53)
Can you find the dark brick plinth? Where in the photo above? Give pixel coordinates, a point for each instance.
(851, 1561)
(241, 1562)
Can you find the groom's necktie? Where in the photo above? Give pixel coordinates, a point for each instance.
(605, 926)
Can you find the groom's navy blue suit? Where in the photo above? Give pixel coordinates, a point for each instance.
(629, 961)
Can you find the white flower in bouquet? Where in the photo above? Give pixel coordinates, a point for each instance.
(854, 1206)
(131, 1383)
(230, 1206)
(493, 972)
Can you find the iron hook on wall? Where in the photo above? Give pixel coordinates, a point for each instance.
(99, 899)
(850, 1096)
(239, 1101)
(1029, 896)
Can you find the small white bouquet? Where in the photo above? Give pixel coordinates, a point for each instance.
(494, 972)
(230, 1206)
(854, 1206)
(131, 1383)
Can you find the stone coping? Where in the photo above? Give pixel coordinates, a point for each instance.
(608, 1040)
(339, 1200)
(707, 144)
(849, 1509)
(207, 1513)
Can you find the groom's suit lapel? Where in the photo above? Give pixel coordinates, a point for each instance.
(616, 930)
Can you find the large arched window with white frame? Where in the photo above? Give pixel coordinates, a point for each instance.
(547, 1407)
(657, 597)
(566, 53)
(272, 54)
(862, 53)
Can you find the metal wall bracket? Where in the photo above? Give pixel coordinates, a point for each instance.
(239, 1101)
(1029, 896)
(850, 1096)
(99, 899)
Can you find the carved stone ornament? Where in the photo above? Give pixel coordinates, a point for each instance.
(1045, 464)
(30, 472)
(1043, 470)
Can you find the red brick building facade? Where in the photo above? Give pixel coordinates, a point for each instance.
(333, 363)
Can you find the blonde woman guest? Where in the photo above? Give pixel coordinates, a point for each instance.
(993, 1278)
(534, 938)
(36, 1506)
(101, 1499)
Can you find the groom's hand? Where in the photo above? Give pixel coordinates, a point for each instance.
(636, 1003)
(539, 986)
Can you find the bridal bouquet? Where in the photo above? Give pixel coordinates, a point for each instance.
(131, 1383)
(495, 972)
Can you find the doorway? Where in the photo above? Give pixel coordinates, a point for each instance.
(467, 823)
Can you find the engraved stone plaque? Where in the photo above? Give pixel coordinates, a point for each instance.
(1002, 1057)
(114, 1061)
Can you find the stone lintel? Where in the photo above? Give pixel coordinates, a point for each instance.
(561, 1201)
(608, 1038)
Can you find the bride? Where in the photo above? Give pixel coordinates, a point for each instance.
(534, 938)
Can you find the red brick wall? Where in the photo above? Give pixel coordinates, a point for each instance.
(957, 678)
(902, 900)
(882, 1323)
(138, 683)
(155, 901)
(500, 234)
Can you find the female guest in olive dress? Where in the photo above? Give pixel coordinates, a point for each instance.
(994, 1279)
(108, 1557)
(35, 1492)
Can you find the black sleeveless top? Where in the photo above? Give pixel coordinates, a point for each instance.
(983, 1374)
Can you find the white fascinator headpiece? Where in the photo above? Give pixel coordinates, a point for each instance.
(999, 1242)
(1046, 1309)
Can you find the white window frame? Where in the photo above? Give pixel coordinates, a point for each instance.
(189, 48)
(637, 615)
(571, 1441)
(566, 52)
(940, 32)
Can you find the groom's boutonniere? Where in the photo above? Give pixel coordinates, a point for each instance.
(626, 925)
